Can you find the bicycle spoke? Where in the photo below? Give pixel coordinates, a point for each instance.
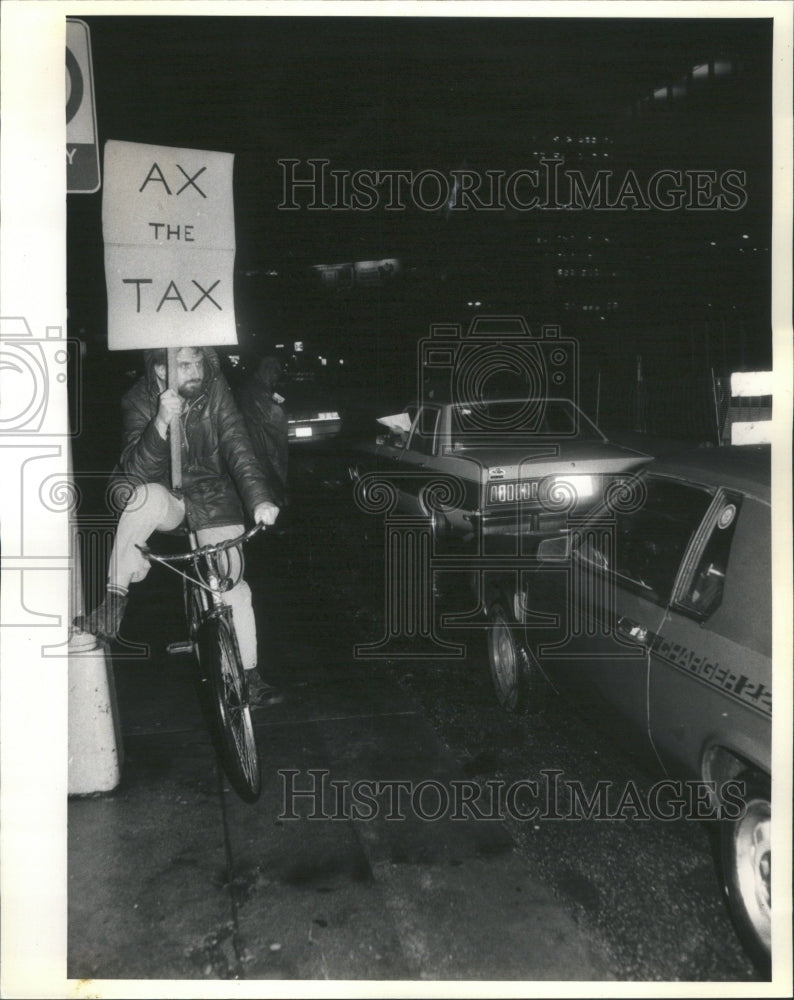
(234, 715)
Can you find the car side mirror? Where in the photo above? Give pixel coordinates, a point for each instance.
(554, 549)
(395, 439)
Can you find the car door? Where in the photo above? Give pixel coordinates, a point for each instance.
(710, 676)
(416, 462)
(380, 460)
(612, 600)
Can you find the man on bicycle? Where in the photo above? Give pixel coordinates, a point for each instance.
(219, 469)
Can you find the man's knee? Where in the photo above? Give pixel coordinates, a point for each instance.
(154, 503)
(145, 496)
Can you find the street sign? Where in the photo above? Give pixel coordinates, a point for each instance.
(168, 227)
(82, 149)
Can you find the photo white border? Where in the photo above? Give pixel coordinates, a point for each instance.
(34, 688)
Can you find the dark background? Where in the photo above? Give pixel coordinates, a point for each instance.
(687, 290)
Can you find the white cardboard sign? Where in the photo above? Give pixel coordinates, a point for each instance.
(168, 229)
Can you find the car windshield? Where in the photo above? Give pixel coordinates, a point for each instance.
(552, 418)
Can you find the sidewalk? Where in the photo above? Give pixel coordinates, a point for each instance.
(173, 876)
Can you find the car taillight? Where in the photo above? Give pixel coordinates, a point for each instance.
(552, 490)
(583, 487)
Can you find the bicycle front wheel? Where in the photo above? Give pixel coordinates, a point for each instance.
(229, 690)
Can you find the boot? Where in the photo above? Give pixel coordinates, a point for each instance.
(259, 692)
(105, 620)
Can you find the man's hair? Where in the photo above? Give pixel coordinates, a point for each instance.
(269, 370)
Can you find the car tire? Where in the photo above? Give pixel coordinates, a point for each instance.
(746, 854)
(439, 530)
(511, 671)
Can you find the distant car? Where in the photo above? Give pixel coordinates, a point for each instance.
(312, 413)
(655, 615)
(492, 467)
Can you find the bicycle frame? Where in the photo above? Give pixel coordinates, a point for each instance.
(213, 643)
(198, 552)
(208, 580)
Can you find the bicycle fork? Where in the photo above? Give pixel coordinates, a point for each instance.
(202, 588)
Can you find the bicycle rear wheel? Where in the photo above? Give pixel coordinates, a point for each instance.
(220, 656)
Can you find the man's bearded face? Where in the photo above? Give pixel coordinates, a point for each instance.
(189, 372)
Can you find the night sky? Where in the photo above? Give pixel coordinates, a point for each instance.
(446, 94)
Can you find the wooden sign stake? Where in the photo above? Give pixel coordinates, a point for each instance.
(176, 429)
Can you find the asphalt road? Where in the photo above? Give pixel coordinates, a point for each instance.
(645, 891)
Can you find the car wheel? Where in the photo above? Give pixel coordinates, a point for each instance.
(439, 529)
(508, 660)
(746, 849)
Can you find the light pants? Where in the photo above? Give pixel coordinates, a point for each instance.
(154, 508)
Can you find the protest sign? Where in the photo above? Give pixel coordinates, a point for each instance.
(168, 229)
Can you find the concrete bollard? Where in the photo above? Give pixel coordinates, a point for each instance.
(96, 752)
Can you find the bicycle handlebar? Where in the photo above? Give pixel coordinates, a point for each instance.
(203, 550)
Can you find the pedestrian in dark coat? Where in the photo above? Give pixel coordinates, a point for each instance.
(267, 423)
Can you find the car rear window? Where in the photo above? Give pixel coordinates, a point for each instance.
(553, 418)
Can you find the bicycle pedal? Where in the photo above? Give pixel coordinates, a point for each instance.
(178, 648)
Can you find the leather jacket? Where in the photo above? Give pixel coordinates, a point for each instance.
(219, 467)
(267, 426)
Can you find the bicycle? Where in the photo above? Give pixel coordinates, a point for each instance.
(213, 645)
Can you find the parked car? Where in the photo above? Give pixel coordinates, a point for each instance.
(655, 614)
(482, 468)
(313, 414)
